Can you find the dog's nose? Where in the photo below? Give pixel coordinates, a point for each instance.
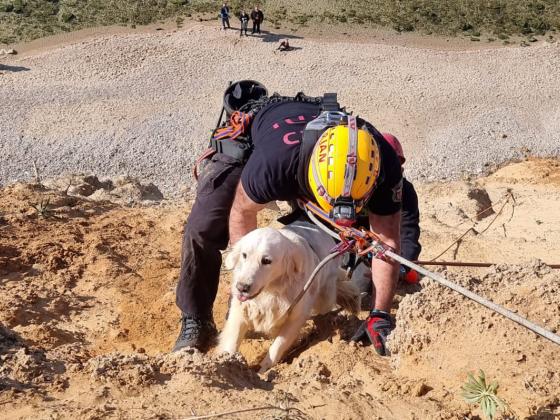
(243, 287)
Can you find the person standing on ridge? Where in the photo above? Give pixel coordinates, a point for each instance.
(257, 17)
(244, 19)
(224, 15)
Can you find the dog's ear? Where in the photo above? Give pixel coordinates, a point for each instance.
(294, 262)
(232, 258)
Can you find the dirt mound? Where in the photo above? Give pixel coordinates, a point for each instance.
(87, 315)
(486, 340)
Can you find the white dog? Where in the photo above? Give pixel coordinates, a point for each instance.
(270, 268)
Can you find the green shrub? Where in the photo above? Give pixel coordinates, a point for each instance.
(66, 16)
(6, 7)
(18, 6)
(29, 19)
(485, 395)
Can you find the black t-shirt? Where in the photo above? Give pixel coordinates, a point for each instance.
(271, 172)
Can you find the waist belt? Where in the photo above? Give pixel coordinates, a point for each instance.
(231, 139)
(238, 149)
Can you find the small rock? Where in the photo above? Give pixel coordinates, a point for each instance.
(270, 375)
(421, 389)
(84, 190)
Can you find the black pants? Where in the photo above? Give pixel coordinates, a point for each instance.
(225, 21)
(205, 234)
(256, 27)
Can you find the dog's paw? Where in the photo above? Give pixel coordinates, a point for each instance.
(262, 370)
(225, 346)
(265, 365)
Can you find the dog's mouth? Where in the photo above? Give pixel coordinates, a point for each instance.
(245, 296)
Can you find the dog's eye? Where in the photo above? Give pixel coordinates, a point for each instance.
(244, 255)
(266, 260)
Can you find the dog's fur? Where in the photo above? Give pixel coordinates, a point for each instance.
(270, 268)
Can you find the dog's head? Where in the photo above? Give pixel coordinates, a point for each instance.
(259, 259)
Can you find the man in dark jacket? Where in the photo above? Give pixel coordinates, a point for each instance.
(232, 190)
(410, 229)
(257, 17)
(224, 15)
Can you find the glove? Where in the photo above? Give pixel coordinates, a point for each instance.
(374, 330)
(407, 275)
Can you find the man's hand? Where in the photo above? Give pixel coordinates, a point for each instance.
(374, 330)
(243, 215)
(385, 274)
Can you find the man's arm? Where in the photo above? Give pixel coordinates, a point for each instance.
(243, 215)
(385, 274)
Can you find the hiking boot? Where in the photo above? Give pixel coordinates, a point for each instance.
(195, 332)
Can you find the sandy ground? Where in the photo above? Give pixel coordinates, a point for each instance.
(143, 104)
(87, 314)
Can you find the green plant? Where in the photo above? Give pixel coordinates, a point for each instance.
(477, 391)
(42, 208)
(6, 7)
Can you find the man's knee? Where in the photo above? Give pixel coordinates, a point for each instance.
(208, 231)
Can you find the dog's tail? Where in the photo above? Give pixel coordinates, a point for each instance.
(347, 296)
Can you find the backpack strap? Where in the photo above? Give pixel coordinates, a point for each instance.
(329, 102)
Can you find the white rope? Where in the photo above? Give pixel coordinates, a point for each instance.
(485, 302)
(320, 225)
(465, 292)
(309, 282)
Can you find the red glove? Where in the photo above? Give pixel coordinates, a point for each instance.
(409, 276)
(374, 330)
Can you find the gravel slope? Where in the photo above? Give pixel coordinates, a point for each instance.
(143, 104)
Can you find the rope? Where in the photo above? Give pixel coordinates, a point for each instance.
(470, 264)
(483, 301)
(509, 196)
(320, 225)
(208, 152)
(238, 124)
(309, 282)
(381, 250)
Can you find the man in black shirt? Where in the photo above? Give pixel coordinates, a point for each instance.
(257, 17)
(231, 192)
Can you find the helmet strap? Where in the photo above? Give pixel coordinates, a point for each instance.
(351, 156)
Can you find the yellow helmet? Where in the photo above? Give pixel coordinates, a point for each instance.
(343, 168)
